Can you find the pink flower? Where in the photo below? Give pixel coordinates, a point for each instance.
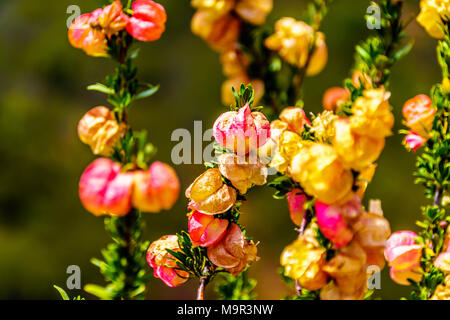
(296, 201)
(104, 189)
(332, 220)
(148, 20)
(403, 255)
(83, 36)
(242, 130)
(205, 230)
(414, 141)
(164, 267)
(155, 189)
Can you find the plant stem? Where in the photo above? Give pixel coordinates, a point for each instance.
(438, 197)
(202, 285)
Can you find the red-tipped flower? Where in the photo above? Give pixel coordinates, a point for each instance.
(148, 20)
(205, 230)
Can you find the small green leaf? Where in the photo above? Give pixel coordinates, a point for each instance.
(63, 293)
(147, 93)
(101, 88)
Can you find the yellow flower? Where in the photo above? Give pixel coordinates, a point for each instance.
(216, 7)
(289, 145)
(355, 151)
(364, 178)
(293, 39)
(432, 12)
(322, 126)
(303, 261)
(99, 129)
(277, 127)
(372, 114)
(254, 11)
(234, 62)
(347, 268)
(295, 117)
(221, 33)
(317, 168)
(241, 172)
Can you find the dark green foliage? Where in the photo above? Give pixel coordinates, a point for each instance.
(123, 265)
(238, 287)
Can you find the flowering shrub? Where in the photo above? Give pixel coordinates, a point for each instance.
(124, 183)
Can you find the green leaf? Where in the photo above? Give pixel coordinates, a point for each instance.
(147, 93)
(63, 293)
(101, 88)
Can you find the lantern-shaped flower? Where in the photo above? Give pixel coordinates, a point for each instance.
(295, 118)
(83, 36)
(432, 14)
(112, 19)
(205, 230)
(296, 201)
(254, 11)
(419, 114)
(164, 267)
(155, 189)
(105, 190)
(99, 129)
(233, 252)
(209, 194)
(242, 130)
(148, 20)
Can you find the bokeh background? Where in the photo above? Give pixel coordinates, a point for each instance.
(44, 228)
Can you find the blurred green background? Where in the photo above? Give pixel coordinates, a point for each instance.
(44, 228)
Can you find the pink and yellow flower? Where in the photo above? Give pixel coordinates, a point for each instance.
(233, 252)
(242, 130)
(205, 230)
(148, 20)
(164, 267)
(419, 114)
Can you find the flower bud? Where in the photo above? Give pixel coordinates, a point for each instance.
(99, 129)
(242, 130)
(233, 252)
(243, 174)
(235, 82)
(112, 19)
(209, 195)
(355, 151)
(205, 230)
(221, 33)
(296, 201)
(332, 224)
(295, 118)
(413, 141)
(333, 97)
(148, 20)
(419, 114)
(83, 36)
(254, 11)
(372, 114)
(303, 261)
(359, 78)
(105, 190)
(320, 173)
(164, 267)
(155, 189)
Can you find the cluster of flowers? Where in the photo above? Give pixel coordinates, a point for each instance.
(333, 167)
(214, 193)
(404, 254)
(219, 23)
(105, 187)
(91, 31)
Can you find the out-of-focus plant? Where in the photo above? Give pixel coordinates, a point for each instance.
(423, 260)
(124, 182)
(274, 60)
(325, 165)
